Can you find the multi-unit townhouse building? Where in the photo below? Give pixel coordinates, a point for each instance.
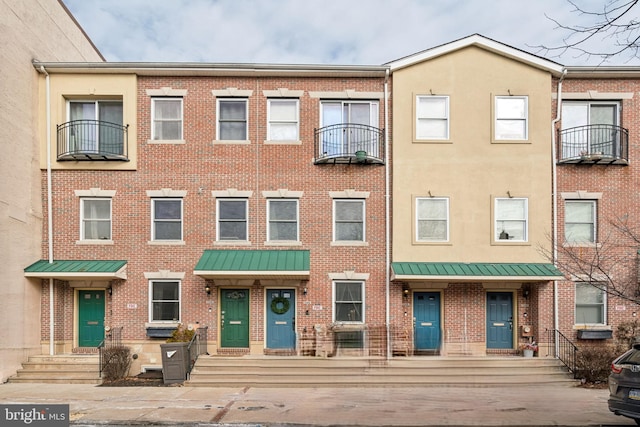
(42, 29)
(417, 207)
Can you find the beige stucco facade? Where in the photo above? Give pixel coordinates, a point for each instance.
(30, 30)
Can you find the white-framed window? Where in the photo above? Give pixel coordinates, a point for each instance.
(342, 134)
(590, 304)
(232, 119)
(348, 299)
(166, 214)
(432, 219)
(95, 218)
(591, 128)
(86, 134)
(511, 117)
(283, 119)
(164, 303)
(580, 221)
(233, 221)
(167, 116)
(432, 117)
(282, 217)
(511, 219)
(348, 221)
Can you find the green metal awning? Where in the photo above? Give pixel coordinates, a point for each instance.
(78, 269)
(474, 271)
(256, 264)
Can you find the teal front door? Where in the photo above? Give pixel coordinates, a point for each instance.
(90, 318)
(234, 318)
(281, 326)
(426, 313)
(499, 320)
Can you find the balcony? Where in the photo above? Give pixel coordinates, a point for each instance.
(349, 143)
(594, 144)
(90, 140)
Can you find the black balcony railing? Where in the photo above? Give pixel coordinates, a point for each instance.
(602, 144)
(349, 143)
(92, 140)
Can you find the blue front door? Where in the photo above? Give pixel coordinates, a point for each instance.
(499, 320)
(426, 312)
(281, 326)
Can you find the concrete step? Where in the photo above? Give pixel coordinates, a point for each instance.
(67, 369)
(211, 371)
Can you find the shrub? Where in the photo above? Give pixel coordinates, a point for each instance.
(181, 334)
(594, 363)
(116, 363)
(627, 334)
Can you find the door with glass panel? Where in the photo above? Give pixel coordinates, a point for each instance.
(92, 127)
(343, 135)
(590, 127)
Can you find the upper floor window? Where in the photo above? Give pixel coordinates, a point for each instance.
(349, 220)
(591, 128)
(232, 219)
(166, 219)
(432, 216)
(283, 120)
(232, 119)
(349, 302)
(94, 128)
(164, 301)
(432, 117)
(580, 221)
(167, 118)
(511, 219)
(282, 219)
(590, 304)
(511, 117)
(95, 218)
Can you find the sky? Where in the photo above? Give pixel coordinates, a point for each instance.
(334, 32)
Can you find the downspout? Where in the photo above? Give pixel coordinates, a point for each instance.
(49, 205)
(387, 211)
(555, 200)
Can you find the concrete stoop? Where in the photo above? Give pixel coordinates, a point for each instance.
(268, 371)
(61, 369)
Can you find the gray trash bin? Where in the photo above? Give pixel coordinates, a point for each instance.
(175, 362)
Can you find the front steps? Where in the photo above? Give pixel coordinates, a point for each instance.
(270, 371)
(62, 369)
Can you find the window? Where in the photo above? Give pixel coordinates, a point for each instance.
(232, 119)
(349, 302)
(591, 128)
(283, 119)
(167, 118)
(349, 220)
(95, 218)
(580, 221)
(511, 114)
(282, 219)
(511, 220)
(165, 301)
(432, 215)
(167, 219)
(91, 127)
(432, 117)
(590, 304)
(232, 219)
(347, 127)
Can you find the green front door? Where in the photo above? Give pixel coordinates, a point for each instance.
(234, 318)
(90, 318)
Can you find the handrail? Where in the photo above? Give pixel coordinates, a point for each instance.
(594, 143)
(564, 350)
(197, 346)
(92, 140)
(111, 340)
(349, 142)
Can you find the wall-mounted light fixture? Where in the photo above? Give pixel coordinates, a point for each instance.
(304, 291)
(110, 290)
(525, 292)
(405, 291)
(207, 289)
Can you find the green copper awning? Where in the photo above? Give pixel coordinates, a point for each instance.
(474, 271)
(288, 264)
(78, 269)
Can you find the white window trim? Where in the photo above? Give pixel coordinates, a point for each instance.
(575, 307)
(494, 228)
(154, 140)
(246, 218)
(496, 138)
(269, 122)
(83, 239)
(594, 225)
(363, 301)
(283, 242)
(219, 140)
(153, 240)
(446, 118)
(364, 222)
(417, 220)
(151, 300)
(95, 192)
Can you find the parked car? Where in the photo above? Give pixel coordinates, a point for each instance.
(624, 384)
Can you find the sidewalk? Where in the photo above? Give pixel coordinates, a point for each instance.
(551, 405)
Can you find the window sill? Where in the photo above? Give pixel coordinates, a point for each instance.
(283, 243)
(283, 142)
(167, 141)
(434, 243)
(94, 242)
(510, 141)
(349, 243)
(166, 242)
(432, 141)
(231, 142)
(232, 243)
(581, 245)
(509, 243)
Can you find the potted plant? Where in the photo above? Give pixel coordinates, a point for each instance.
(529, 348)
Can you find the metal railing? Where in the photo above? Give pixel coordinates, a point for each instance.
(565, 350)
(197, 346)
(92, 140)
(593, 143)
(349, 143)
(112, 340)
